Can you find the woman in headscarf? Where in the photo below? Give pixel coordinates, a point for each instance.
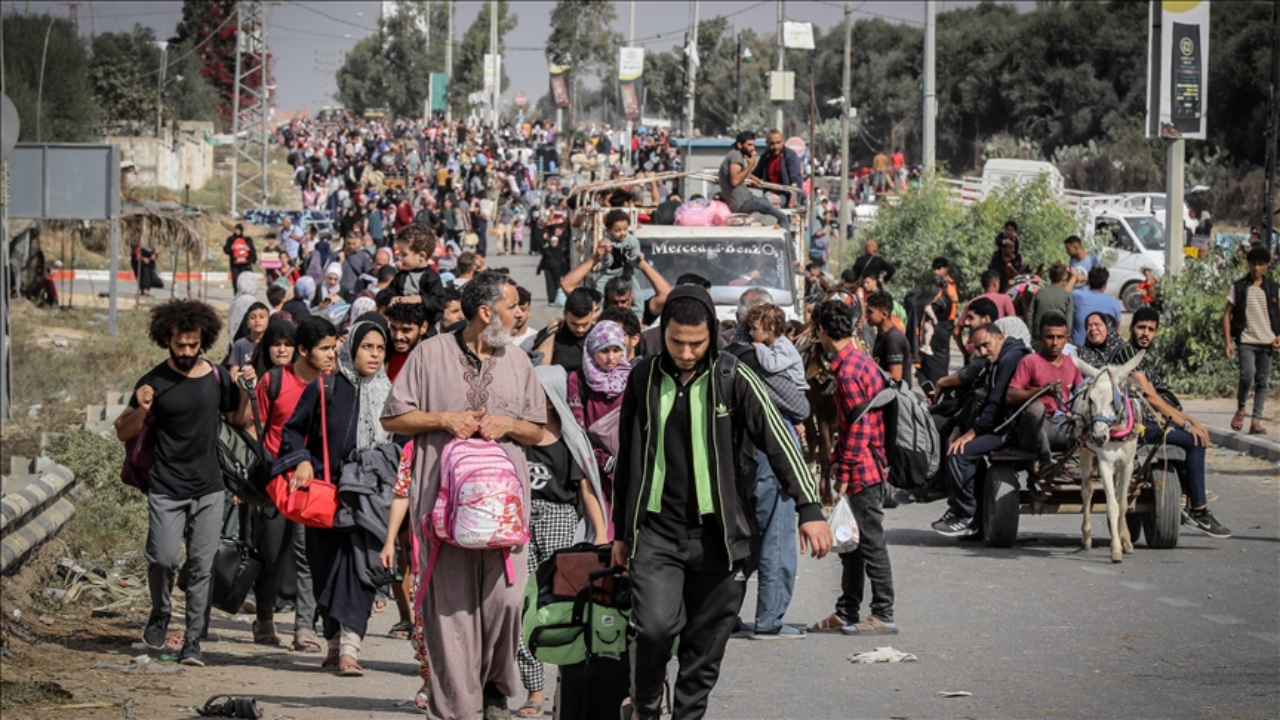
(299, 308)
(333, 283)
(246, 295)
(595, 395)
(360, 306)
(1100, 340)
(344, 589)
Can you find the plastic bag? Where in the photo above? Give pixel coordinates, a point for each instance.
(844, 528)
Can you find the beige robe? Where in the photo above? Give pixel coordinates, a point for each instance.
(470, 614)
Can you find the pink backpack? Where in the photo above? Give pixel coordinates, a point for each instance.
(480, 505)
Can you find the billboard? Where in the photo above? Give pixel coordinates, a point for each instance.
(560, 85)
(630, 74)
(1178, 69)
(492, 73)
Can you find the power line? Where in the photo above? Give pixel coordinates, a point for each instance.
(188, 54)
(335, 19)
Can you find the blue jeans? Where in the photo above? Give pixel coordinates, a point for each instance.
(962, 468)
(1194, 463)
(774, 549)
(1255, 374)
(758, 204)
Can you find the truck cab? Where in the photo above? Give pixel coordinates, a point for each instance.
(1128, 242)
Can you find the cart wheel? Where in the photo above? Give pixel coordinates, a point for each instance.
(1000, 506)
(1163, 523)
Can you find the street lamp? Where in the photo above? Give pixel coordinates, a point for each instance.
(164, 60)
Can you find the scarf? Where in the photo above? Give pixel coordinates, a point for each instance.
(336, 288)
(1100, 355)
(246, 292)
(605, 335)
(371, 391)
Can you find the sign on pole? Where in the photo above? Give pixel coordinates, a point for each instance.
(798, 35)
(630, 70)
(1178, 69)
(797, 146)
(521, 99)
(492, 72)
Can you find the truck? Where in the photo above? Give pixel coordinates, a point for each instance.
(731, 257)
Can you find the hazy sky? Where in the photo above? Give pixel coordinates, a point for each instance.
(309, 39)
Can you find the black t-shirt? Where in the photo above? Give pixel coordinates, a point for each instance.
(186, 411)
(567, 350)
(891, 348)
(553, 474)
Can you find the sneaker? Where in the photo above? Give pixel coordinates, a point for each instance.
(155, 633)
(742, 629)
(784, 632)
(1205, 522)
(904, 497)
(951, 525)
(191, 653)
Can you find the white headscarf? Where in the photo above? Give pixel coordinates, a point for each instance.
(246, 295)
(336, 288)
(371, 391)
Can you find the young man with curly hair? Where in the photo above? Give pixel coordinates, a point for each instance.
(184, 395)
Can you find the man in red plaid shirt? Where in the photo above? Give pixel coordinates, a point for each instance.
(859, 467)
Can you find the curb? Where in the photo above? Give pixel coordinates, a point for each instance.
(1248, 444)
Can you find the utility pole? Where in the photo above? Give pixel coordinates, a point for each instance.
(844, 135)
(497, 66)
(930, 83)
(777, 117)
(693, 75)
(631, 41)
(1273, 134)
(448, 63)
(164, 61)
(1174, 187)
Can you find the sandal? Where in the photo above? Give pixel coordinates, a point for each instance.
(331, 660)
(234, 707)
(1237, 420)
(264, 633)
(401, 630)
(422, 698)
(831, 623)
(530, 709)
(1255, 428)
(348, 667)
(871, 626)
(305, 640)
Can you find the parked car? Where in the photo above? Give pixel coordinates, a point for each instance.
(1127, 243)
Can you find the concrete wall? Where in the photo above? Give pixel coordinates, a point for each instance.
(177, 159)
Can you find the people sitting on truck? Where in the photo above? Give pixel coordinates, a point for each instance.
(734, 171)
(779, 165)
(1184, 431)
(1042, 383)
(986, 433)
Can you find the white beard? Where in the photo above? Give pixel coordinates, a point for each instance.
(495, 335)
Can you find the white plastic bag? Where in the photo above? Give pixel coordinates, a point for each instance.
(844, 528)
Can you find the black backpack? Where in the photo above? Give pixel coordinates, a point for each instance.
(245, 463)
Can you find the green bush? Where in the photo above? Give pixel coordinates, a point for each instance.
(926, 223)
(1189, 349)
(111, 517)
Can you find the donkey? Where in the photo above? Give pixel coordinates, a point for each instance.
(1109, 440)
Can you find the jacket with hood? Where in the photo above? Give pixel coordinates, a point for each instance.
(738, 410)
(994, 409)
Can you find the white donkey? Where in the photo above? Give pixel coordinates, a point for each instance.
(1108, 435)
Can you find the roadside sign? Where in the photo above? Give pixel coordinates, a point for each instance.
(797, 145)
(521, 100)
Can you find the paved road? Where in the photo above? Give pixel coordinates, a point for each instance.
(1043, 629)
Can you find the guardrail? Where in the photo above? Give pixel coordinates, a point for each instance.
(37, 507)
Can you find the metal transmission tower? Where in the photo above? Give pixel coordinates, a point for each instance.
(251, 105)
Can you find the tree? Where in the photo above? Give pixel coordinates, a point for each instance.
(360, 81)
(212, 24)
(193, 97)
(581, 38)
(406, 72)
(123, 74)
(468, 62)
(58, 107)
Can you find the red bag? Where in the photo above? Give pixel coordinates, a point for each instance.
(315, 503)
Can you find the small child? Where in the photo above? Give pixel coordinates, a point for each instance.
(1148, 286)
(929, 321)
(416, 282)
(776, 354)
(623, 260)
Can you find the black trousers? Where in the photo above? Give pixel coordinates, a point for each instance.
(680, 589)
(553, 284)
(936, 366)
(869, 563)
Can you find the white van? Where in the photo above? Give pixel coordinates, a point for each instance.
(1128, 242)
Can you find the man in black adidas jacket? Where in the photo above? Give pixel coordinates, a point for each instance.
(682, 499)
